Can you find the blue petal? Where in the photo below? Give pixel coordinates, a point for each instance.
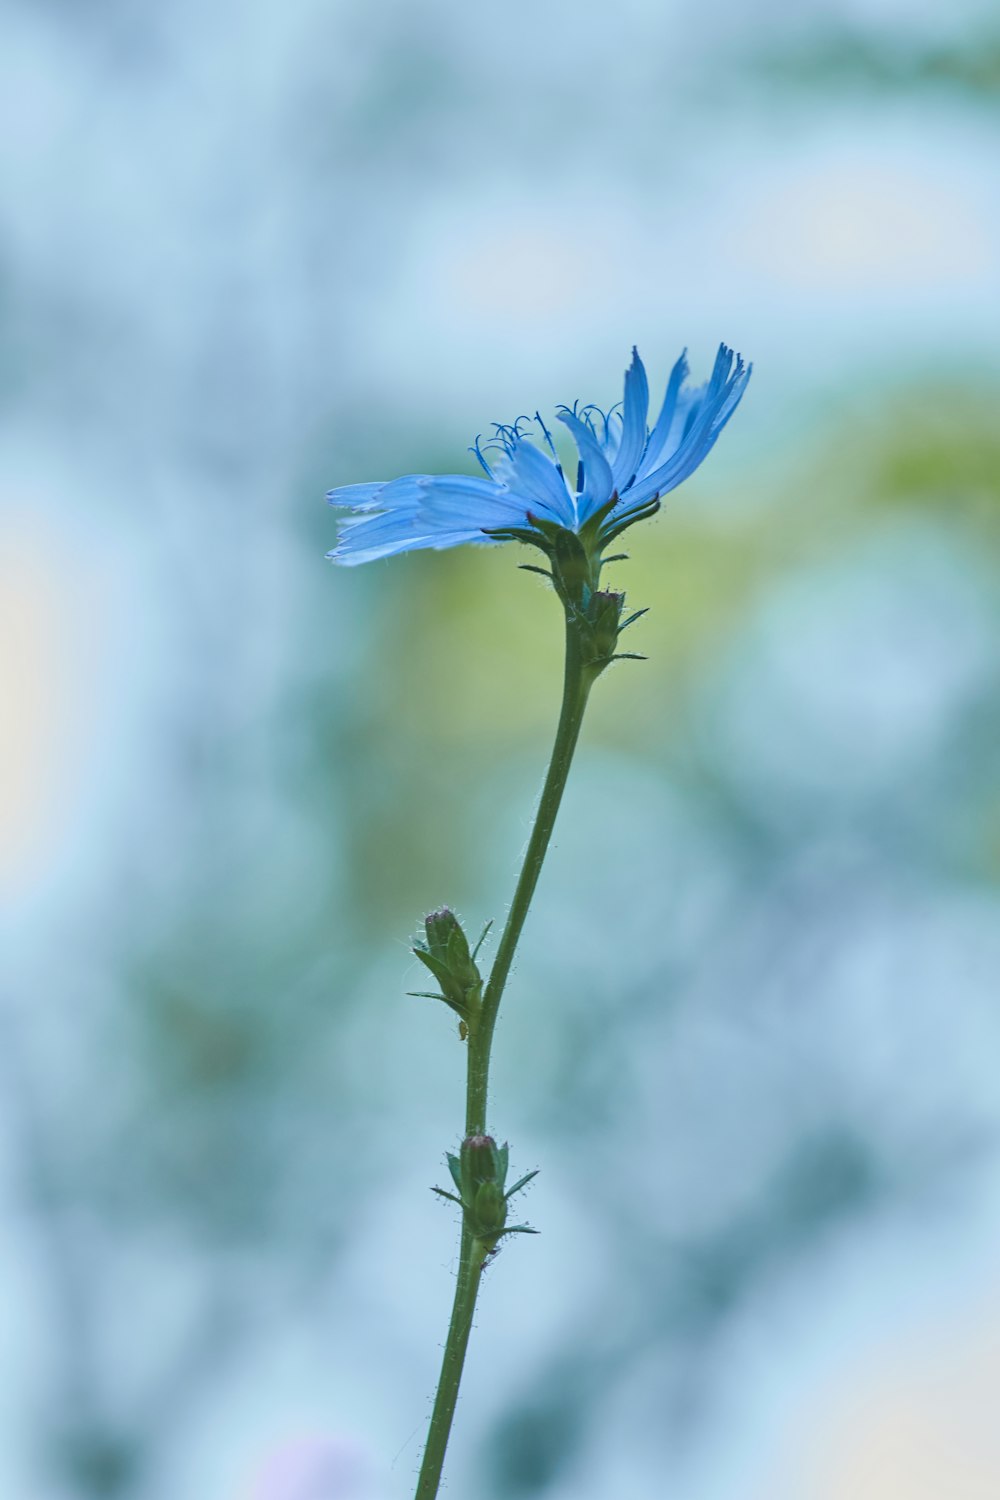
(450, 502)
(382, 523)
(460, 538)
(527, 471)
(356, 496)
(634, 410)
(350, 559)
(737, 386)
(369, 537)
(362, 531)
(385, 520)
(421, 510)
(598, 484)
(700, 416)
(667, 433)
(669, 475)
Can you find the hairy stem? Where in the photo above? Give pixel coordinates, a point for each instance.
(469, 1272)
(577, 681)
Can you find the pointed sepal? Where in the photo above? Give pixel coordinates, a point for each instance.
(454, 1167)
(522, 1182)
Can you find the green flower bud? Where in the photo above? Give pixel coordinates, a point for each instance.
(441, 927)
(480, 1160)
(603, 615)
(483, 1171)
(479, 1172)
(448, 943)
(446, 954)
(601, 627)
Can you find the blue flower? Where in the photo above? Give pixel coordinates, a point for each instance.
(624, 468)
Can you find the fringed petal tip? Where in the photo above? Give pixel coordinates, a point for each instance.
(356, 496)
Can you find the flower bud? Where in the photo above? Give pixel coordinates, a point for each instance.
(439, 926)
(447, 941)
(446, 954)
(600, 627)
(604, 613)
(483, 1171)
(479, 1172)
(481, 1162)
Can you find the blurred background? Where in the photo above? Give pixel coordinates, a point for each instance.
(752, 1039)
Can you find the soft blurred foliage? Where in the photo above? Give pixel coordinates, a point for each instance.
(752, 1038)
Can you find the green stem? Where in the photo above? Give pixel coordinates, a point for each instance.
(577, 681)
(470, 1271)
